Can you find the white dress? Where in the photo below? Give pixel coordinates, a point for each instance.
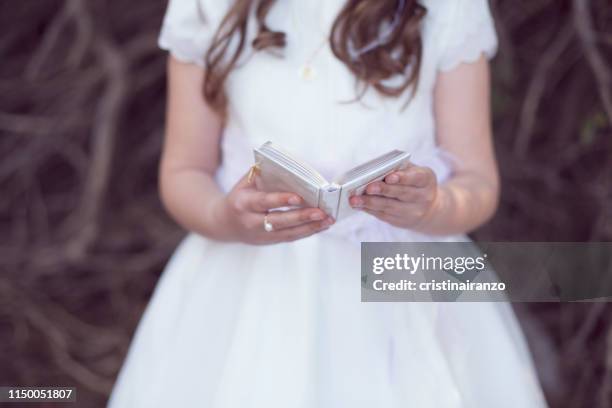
(282, 326)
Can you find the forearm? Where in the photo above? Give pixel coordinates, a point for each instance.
(194, 200)
(462, 204)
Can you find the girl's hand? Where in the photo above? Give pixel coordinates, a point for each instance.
(244, 210)
(405, 198)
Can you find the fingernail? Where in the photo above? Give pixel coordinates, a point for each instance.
(356, 202)
(294, 200)
(374, 189)
(329, 221)
(317, 216)
(393, 178)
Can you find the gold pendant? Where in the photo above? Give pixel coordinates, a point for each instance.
(307, 73)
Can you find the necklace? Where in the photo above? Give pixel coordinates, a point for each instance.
(307, 72)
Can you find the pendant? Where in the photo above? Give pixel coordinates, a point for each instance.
(307, 73)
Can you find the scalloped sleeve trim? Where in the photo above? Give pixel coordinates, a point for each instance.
(186, 34)
(183, 49)
(470, 33)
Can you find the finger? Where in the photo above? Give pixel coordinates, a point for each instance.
(302, 231)
(400, 192)
(258, 201)
(414, 176)
(287, 219)
(377, 203)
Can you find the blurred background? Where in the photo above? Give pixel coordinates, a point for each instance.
(83, 237)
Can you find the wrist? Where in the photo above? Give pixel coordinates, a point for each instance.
(432, 213)
(218, 221)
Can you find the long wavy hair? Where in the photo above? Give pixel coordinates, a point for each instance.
(358, 26)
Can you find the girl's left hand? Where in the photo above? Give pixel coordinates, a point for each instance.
(405, 198)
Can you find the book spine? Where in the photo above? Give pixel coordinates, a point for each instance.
(329, 199)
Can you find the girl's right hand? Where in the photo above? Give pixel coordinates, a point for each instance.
(243, 210)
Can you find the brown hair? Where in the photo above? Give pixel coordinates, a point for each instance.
(358, 25)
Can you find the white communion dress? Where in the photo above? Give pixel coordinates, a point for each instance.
(283, 326)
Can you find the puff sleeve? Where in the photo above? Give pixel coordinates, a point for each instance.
(189, 27)
(468, 31)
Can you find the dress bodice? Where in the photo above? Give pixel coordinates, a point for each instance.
(319, 118)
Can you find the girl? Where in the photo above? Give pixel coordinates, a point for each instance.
(247, 316)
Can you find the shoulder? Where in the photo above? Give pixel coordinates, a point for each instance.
(189, 26)
(459, 30)
(196, 12)
(454, 12)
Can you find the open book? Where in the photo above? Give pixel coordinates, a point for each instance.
(279, 171)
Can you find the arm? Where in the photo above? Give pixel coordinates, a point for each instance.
(411, 198)
(463, 120)
(190, 154)
(189, 161)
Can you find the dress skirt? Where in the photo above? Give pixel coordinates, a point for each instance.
(283, 326)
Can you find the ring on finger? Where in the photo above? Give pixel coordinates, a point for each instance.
(268, 227)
